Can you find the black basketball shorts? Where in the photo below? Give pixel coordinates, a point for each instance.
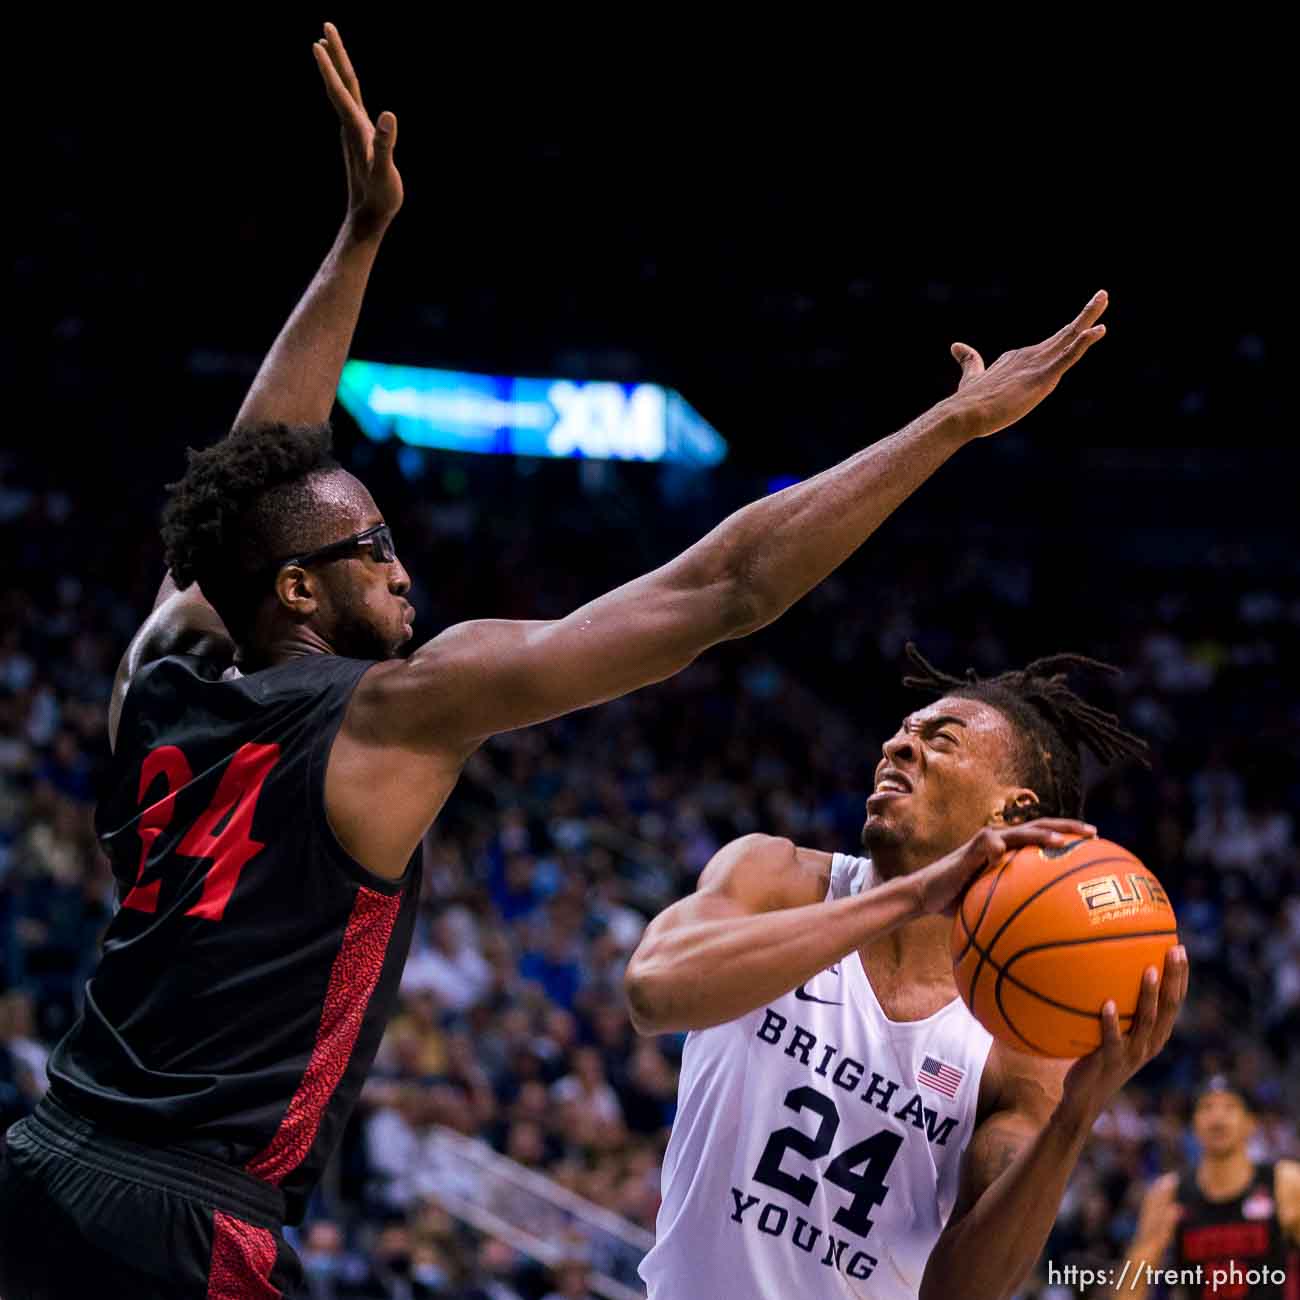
(83, 1214)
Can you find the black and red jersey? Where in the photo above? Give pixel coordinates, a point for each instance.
(247, 976)
(1235, 1247)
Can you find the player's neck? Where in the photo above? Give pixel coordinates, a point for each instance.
(1223, 1177)
(919, 951)
(281, 650)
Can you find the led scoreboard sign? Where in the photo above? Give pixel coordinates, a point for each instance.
(458, 410)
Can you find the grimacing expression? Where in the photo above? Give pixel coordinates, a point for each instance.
(942, 777)
(362, 607)
(1222, 1123)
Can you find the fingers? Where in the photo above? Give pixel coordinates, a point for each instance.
(1112, 1041)
(350, 114)
(1173, 989)
(1184, 973)
(339, 95)
(1159, 998)
(339, 56)
(1051, 831)
(1091, 314)
(1144, 1020)
(988, 846)
(1068, 345)
(1080, 346)
(385, 136)
(972, 364)
(1139, 1045)
(1088, 317)
(1065, 825)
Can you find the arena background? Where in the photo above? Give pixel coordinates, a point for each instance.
(797, 272)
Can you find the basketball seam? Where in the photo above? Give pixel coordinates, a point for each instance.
(1004, 974)
(1042, 889)
(1042, 997)
(1025, 988)
(970, 940)
(979, 920)
(1011, 1024)
(1096, 938)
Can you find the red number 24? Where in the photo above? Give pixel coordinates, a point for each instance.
(231, 849)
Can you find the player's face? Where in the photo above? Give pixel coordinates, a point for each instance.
(1222, 1123)
(363, 610)
(942, 776)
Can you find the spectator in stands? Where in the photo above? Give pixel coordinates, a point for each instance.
(571, 1282)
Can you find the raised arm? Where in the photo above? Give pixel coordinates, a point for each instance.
(1022, 1153)
(480, 678)
(759, 924)
(1155, 1232)
(297, 381)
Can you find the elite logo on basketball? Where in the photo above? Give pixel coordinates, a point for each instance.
(1107, 899)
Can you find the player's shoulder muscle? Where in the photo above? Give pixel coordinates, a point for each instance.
(764, 873)
(426, 703)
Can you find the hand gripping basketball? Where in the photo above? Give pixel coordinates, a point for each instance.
(1093, 1079)
(1051, 935)
(941, 883)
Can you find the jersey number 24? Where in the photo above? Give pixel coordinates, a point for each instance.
(875, 1154)
(229, 850)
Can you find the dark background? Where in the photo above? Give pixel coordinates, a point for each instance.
(796, 263)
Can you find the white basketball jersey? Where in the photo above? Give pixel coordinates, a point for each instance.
(817, 1144)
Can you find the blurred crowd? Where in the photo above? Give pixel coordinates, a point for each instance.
(562, 840)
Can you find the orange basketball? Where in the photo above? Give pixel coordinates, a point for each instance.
(1047, 936)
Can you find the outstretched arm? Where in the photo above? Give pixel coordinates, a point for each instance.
(297, 381)
(480, 678)
(1022, 1154)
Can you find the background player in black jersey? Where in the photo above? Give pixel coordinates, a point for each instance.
(1227, 1213)
(276, 766)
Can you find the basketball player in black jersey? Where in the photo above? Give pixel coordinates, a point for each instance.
(1230, 1228)
(276, 765)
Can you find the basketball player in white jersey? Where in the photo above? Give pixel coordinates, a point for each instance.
(844, 1126)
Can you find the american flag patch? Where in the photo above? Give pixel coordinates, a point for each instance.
(940, 1076)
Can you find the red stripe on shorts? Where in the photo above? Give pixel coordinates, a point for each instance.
(242, 1259)
(352, 980)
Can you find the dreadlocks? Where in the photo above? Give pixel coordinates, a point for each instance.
(1051, 723)
(242, 502)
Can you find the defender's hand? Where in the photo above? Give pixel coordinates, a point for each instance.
(940, 884)
(374, 186)
(1093, 1079)
(1017, 381)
